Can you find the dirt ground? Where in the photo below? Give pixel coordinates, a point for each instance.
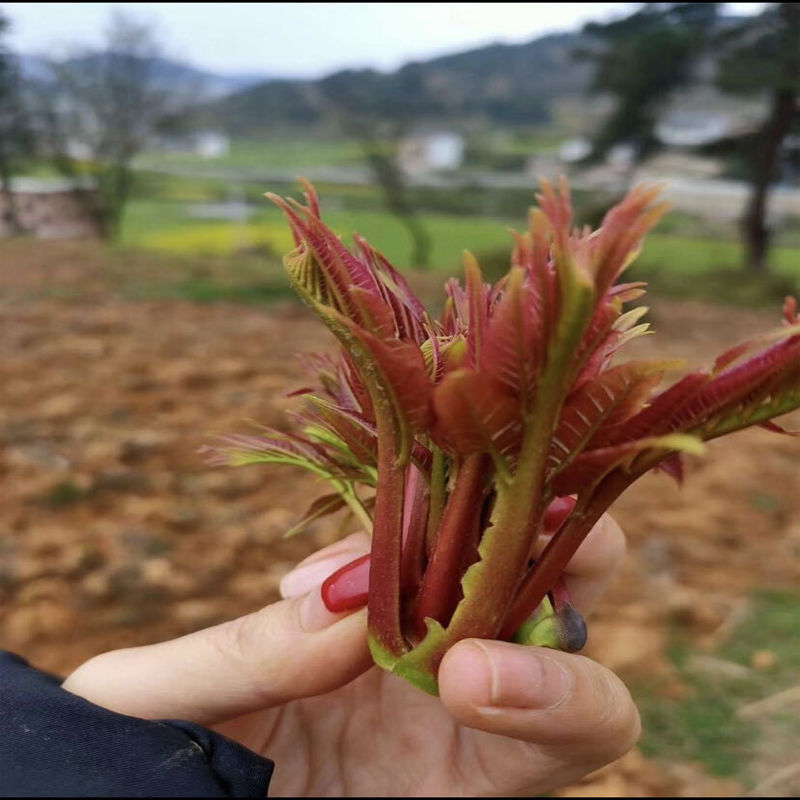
(115, 532)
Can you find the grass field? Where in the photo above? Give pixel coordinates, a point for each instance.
(266, 154)
(164, 226)
(717, 722)
(706, 267)
(685, 257)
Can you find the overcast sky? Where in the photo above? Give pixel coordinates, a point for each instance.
(308, 39)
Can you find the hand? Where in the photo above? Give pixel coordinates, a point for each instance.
(295, 683)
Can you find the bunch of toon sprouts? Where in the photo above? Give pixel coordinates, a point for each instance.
(459, 441)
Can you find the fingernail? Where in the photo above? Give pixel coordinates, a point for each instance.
(311, 573)
(524, 678)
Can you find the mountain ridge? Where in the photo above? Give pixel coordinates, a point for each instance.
(510, 84)
(173, 74)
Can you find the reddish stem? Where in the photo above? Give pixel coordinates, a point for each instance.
(440, 589)
(415, 522)
(348, 587)
(384, 576)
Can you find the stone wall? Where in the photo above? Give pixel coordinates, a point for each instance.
(49, 215)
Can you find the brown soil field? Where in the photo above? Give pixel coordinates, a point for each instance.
(114, 531)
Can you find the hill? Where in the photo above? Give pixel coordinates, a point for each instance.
(509, 84)
(171, 75)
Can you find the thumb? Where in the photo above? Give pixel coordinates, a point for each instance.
(291, 649)
(561, 702)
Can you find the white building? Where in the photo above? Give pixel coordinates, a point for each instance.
(211, 144)
(205, 143)
(693, 128)
(440, 151)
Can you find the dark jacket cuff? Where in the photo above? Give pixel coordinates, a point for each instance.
(56, 744)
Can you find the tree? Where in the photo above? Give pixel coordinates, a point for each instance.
(15, 133)
(643, 58)
(762, 56)
(99, 110)
(640, 61)
(376, 115)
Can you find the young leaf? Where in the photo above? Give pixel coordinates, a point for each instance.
(593, 465)
(606, 402)
(511, 352)
(475, 414)
(322, 506)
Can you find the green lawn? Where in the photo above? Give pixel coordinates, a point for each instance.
(711, 269)
(693, 256)
(284, 153)
(707, 725)
(165, 226)
(675, 264)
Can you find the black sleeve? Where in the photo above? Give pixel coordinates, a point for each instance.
(55, 744)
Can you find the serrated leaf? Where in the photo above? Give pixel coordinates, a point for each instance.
(532, 254)
(357, 434)
(730, 357)
(402, 375)
(605, 402)
(773, 372)
(333, 269)
(655, 417)
(477, 304)
(476, 415)
(354, 394)
(411, 319)
(620, 235)
(512, 351)
(283, 447)
(393, 372)
(374, 314)
(593, 465)
(597, 342)
(755, 412)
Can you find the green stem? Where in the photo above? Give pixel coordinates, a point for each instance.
(559, 550)
(353, 502)
(488, 587)
(357, 507)
(490, 584)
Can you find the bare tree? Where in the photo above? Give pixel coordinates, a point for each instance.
(100, 108)
(377, 119)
